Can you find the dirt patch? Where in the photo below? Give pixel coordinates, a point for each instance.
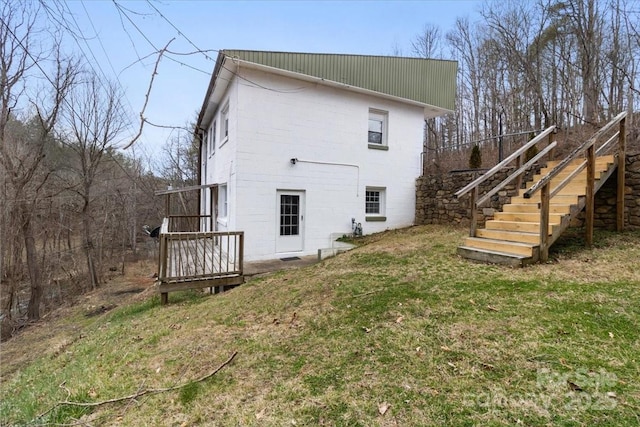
(100, 310)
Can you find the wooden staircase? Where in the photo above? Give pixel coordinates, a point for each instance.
(549, 202)
(512, 237)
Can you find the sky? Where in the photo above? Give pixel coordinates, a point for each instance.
(120, 40)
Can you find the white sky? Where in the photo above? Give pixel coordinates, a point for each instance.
(112, 42)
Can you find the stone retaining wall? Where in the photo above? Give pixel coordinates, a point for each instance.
(435, 203)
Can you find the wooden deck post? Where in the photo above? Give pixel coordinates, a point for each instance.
(241, 252)
(544, 223)
(590, 208)
(164, 298)
(622, 139)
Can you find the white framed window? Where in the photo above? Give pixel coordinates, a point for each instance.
(378, 124)
(224, 124)
(375, 204)
(212, 138)
(205, 144)
(203, 159)
(222, 201)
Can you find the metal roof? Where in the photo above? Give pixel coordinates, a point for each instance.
(430, 83)
(427, 81)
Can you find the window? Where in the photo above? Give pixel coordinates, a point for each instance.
(212, 137)
(225, 124)
(222, 201)
(377, 136)
(374, 204)
(205, 142)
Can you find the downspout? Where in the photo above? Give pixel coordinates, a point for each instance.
(198, 136)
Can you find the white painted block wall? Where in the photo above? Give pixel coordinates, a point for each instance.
(311, 122)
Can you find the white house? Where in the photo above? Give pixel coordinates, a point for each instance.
(302, 145)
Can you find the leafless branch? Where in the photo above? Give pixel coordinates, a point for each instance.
(139, 393)
(146, 97)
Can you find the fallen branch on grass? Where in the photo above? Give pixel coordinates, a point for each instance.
(140, 392)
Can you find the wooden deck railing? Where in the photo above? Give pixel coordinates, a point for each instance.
(198, 259)
(589, 146)
(186, 223)
(518, 156)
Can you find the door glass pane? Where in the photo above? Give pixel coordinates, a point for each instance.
(289, 219)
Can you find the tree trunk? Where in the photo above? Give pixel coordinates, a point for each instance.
(32, 265)
(88, 247)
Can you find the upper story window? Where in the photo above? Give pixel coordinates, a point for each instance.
(212, 137)
(224, 124)
(205, 144)
(378, 124)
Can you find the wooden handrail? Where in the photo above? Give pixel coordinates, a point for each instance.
(567, 160)
(517, 173)
(189, 216)
(519, 152)
(605, 145)
(568, 179)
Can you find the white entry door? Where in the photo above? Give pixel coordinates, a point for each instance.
(290, 221)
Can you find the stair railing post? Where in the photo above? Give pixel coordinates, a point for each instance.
(621, 177)
(474, 212)
(550, 139)
(590, 196)
(544, 223)
(519, 162)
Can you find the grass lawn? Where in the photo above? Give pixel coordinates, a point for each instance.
(400, 331)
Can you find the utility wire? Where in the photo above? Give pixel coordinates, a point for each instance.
(204, 52)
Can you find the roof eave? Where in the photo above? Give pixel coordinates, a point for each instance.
(213, 85)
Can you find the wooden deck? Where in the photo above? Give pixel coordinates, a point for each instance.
(189, 260)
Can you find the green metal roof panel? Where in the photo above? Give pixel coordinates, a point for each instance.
(428, 81)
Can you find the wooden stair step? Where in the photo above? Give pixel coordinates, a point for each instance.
(494, 257)
(556, 208)
(558, 199)
(599, 160)
(518, 248)
(554, 218)
(528, 227)
(509, 236)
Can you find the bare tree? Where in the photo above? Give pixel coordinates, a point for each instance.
(23, 60)
(428, 43)
(180, 167)
(94, 119)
